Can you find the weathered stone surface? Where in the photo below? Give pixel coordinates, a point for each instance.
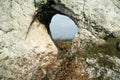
(110, 72)
(95, 18)
(20, 57)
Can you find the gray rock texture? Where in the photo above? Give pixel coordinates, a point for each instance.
(95, 18)
(97, 71)
(20, 56)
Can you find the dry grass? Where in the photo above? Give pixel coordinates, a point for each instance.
(70, 67)
(109, 48)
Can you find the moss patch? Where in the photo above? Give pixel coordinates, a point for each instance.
(109, 48)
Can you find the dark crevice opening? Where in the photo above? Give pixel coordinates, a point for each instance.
(44, 14)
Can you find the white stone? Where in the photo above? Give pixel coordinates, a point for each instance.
(20, 56)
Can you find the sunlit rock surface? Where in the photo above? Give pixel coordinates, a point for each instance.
(95, 18)
(20, 56)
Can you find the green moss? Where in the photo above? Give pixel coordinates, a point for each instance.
(101, 78)
(109, 48)
(45, 78)
(105, 62)
(95, 51)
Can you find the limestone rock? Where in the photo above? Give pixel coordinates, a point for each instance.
(110, 72)
(20, 57)
(95, 18)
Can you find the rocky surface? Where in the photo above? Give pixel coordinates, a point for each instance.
(108, 69)
(20, 56)
(94, 18)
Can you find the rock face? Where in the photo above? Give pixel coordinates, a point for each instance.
(94, 18)
(20, 56)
